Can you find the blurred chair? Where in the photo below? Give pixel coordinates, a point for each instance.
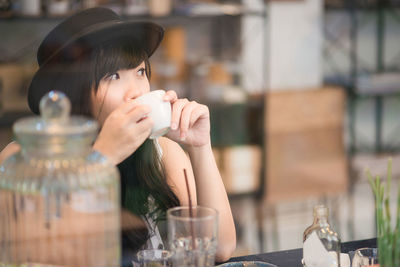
(305, 150)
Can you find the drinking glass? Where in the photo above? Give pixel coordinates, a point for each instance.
(365, 257)
(192, 235)
(153, 258)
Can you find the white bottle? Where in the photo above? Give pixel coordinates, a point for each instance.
(321, 245)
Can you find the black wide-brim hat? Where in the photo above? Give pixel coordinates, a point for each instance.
(79, 34)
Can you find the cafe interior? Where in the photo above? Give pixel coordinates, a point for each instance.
(304, 100)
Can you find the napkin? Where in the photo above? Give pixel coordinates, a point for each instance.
(315, 254)
(344, 260)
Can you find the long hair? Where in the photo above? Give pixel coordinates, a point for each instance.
(142, 173)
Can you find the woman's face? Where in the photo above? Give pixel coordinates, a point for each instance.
(117, 88)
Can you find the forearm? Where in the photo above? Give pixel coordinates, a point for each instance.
(211, 193)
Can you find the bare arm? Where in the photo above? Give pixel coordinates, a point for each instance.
(207, 186)
(211, 193)
(175, 160)
(9, 150)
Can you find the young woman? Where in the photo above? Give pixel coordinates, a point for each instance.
(101, 63)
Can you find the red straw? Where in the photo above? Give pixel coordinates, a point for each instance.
(190, 210)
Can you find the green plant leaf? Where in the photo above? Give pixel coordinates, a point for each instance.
(388, 239)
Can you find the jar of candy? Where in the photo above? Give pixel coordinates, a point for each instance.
(59, 199)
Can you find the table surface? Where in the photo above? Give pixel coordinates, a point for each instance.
(283, 258)
(292, 258)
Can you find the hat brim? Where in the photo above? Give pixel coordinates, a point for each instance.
(145, 34)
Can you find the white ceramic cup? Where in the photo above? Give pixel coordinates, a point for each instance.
(160, 112)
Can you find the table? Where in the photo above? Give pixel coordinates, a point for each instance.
(284, 258)
(292, 258)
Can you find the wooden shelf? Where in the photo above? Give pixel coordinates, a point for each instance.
(184, 11)
(360, 4)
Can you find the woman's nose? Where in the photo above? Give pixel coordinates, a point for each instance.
(133, 92)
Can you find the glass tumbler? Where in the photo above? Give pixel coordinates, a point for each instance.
(153, 258)
(365, 257)
(192, 235)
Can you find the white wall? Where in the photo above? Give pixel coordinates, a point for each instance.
(295, 44)
(253, 54)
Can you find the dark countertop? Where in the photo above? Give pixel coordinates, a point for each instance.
(292, 258)
(283, 258)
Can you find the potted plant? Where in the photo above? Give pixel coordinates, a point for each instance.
(388, 230)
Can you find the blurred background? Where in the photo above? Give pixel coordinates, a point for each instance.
(304, 96)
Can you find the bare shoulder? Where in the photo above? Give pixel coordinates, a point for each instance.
(9, 150)
(170, 147)
(175, 160)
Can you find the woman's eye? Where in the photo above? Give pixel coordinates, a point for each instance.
(141, 72)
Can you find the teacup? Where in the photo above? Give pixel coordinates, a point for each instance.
(160, 112)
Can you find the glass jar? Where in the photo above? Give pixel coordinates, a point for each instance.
(59, 200)
(321, 244)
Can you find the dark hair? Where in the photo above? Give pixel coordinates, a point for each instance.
(142, 174)
(111, 57)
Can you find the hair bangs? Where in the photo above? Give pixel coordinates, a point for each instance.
(109, 59)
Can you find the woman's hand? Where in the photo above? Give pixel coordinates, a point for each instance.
(124, 130)
(190, 121)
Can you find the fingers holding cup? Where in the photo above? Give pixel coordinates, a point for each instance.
(170, 96)
(177, 108)
(188, 118)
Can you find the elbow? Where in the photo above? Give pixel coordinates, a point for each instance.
(225, 251)
(8, 151)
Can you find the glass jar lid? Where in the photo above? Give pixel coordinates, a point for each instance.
(54, 119)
